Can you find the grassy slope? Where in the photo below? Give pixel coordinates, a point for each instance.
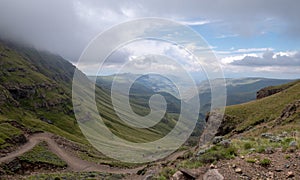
(22, 67)
(263, 110)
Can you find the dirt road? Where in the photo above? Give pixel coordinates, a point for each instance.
(74, 163)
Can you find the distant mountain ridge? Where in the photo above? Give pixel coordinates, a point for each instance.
(238, 90)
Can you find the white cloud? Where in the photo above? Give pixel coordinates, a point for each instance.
(195, 23)
(230, 59)
(248, 50)
(223, 36)
(268, 59)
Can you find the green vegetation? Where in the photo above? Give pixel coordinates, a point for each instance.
(78, 175)
(265, 110)
(217, 153)
(40, 154)
(260, 145)
(214, 154)
(7, 132)
(251, 160)
(166, 173)
(247, 145)
(265, 162)
(36, 93)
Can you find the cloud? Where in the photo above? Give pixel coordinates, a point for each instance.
(269, 58)
(66, 27)
(226, 36)
(195, 23)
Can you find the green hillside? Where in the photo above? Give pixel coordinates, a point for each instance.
(271, 111)
(238, 90)
(36, 95)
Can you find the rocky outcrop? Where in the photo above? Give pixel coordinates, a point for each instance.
(288, 111)
(265, 92)
(268, 91)
(217, 124)
(17, 140)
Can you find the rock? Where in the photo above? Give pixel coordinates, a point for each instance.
(269, 150)
(202, 151)
(242, 157)
(270, 174)
(283, 134)
(275, 139)
(149, 177)
(267, 135)
(178, 176)
(46, 120)
(293, 144)
(287, 166)
(212, 166)
(213, 174)
(290, 174)
(278, 169)
(2, 172)
(217, 139)
(234, 166)
(225, 143)
(265, 92)
(238, 170)
(17, 140)
(14, 166)
(252, 149)
(188, 174)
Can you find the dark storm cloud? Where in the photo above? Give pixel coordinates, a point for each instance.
(65, 27)
(269, 59)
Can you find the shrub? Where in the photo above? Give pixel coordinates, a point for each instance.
(250, 160)
(265, 162)
(217, 153)
(247, 145)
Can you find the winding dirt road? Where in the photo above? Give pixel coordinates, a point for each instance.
(74, 163)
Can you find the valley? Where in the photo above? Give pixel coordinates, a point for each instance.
(40, 136)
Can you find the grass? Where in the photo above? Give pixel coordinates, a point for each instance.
(7, 131)
(265, 162)
(263, 110)
(259, 145)
(166, 173)
(76, 175)
(49, 79)
(41, 154)
(251, 160)
(212, 155)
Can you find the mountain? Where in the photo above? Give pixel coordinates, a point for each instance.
(36, 94)
(238, 90)
(278, 111)
(36, 91)
(255, 140)
(142, 88)
(148, 82)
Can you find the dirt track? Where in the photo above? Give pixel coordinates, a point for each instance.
(74, 163)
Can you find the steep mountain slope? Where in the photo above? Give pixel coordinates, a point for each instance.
(36, 94)
(277, 111)
(238, 90)
(35, 91)
(256, 140)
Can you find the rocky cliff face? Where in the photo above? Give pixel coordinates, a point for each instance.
(265, 92)
(268, 91)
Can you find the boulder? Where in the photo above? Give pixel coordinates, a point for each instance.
(217, 139)
(178, 176)
(213, 174)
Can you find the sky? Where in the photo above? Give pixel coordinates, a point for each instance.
(249, 38)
